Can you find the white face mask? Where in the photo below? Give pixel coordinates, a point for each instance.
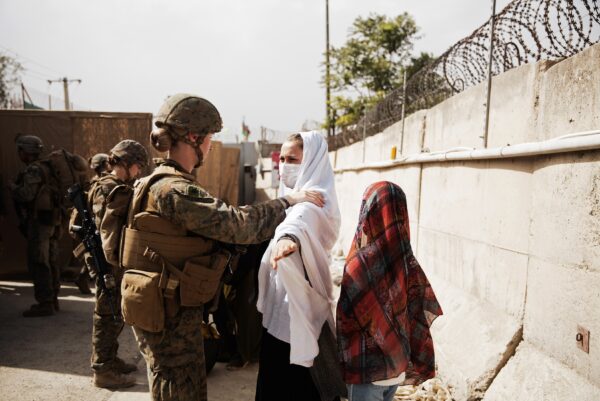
(289, 174)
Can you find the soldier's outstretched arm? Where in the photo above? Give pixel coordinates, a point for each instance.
(195, 209)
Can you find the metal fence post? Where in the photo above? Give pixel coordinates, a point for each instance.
(489, 83)
(403, 110)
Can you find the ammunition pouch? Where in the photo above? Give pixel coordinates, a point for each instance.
(177, 250)
(203, 278)
(189, 268)
(142, 302)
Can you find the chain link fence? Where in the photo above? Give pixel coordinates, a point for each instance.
(524, 31)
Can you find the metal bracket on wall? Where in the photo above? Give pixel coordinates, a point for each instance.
(583, 339)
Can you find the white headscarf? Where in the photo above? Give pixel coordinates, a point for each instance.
(309, 305)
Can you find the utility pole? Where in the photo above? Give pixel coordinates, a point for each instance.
(327, 76)
(65, 81)
(489, 83)
(23, 94)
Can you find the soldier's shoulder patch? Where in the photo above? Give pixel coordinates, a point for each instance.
(193, 192)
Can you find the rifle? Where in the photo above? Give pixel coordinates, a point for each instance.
(90, 238)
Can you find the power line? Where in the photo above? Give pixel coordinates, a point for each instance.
(29, 59)
(40, 73)
(35, 74)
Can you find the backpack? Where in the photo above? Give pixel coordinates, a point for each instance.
(120, 206)
(66, 169)
(114, 220)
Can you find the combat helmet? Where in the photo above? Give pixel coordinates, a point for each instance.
(29, 144)
(189, 113)
(98, 160)
(130, 152)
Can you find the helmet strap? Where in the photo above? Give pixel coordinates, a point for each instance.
(196, 145)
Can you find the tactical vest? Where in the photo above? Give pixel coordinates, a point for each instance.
(164, 264)
(46, 207)
(146, 228)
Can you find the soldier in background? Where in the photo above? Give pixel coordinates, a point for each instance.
(171, 195)
(99, 164)
(38, 210)
(126, 161)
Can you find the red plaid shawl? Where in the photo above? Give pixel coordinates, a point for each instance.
(386, 304)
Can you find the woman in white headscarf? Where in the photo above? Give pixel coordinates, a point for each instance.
(295, 286)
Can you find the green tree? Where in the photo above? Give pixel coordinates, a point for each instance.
(370, 64)
(9, 77)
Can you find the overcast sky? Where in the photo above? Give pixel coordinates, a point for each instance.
(258, 59)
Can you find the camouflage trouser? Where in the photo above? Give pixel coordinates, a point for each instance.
(175, 357)
(42, 260)
(106, 330)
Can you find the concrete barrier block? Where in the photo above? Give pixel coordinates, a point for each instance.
(378, 147)
(460, 120)
(514, 104)
(414, 133)
(559, 299)
(349, 156)
(570, 96)
(487, 201)
(472, 340)
(488, 273)
(533, 376)
(565, 226)
(457, 121)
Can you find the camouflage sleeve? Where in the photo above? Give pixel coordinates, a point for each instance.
(28, 186)
(98, 195)
(190, 206)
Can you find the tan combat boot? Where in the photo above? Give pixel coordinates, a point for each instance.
(112, 380)
(39, 310)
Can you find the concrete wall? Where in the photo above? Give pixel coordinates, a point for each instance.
(511, 246)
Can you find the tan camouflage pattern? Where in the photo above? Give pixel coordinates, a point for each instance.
(188, 205)
(105, 330)
(42, 260)
(41, 232)
(175, 357)
(130, 152)
(190, 112)
(99, 191)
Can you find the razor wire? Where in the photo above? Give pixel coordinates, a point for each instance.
(524, 31)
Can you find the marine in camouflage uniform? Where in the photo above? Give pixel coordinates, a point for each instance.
(175, 356)
(99, 164)
(108, 368)
(40, 219)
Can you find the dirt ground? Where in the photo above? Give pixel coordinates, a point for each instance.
(48, 358)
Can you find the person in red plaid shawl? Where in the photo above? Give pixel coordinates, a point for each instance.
(386, 304)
